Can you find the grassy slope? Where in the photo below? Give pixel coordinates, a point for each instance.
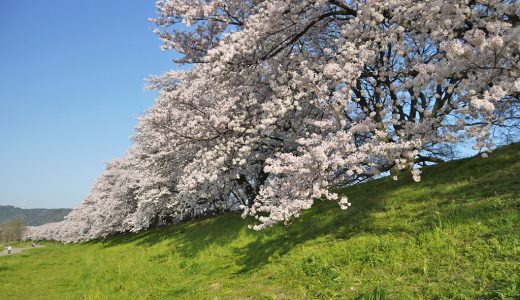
(455, 235)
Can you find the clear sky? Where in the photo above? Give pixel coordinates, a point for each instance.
(71, 86)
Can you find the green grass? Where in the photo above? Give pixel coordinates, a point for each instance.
(455, 235)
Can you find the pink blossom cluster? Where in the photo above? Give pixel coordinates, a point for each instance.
(286, 100)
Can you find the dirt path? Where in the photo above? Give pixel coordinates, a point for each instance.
(17, 250)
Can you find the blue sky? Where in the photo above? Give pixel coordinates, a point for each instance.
(71, 85)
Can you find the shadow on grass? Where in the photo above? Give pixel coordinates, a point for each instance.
(324, 219)
(484, 177)
(254, 249)
(488, 177)
(189, 237)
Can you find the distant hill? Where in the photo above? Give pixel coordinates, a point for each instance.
(33, 216)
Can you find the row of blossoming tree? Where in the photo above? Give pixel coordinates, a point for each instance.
(288, 99)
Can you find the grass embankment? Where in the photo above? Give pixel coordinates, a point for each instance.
(455, 235)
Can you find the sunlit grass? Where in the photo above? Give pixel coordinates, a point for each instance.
(455, 235)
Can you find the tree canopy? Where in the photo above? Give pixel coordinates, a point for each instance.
(286, 100)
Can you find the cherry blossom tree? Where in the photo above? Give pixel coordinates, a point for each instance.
(286, 100)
